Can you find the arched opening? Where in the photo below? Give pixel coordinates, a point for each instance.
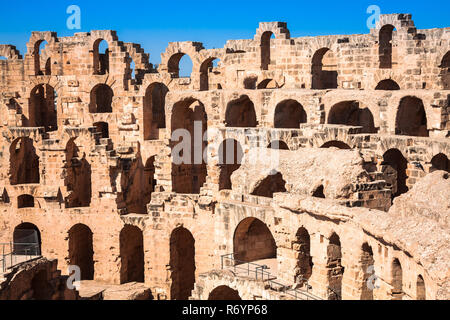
(278, 145)
(266, 43)
(27, 240)
(23, 163)
(206, 69)
(25, 201)
(420, 289)
(335, 270)
(131, 255)
(40, 286)
(411, 118)
(42, 104)
(230, 159)
(182, 264)
(394, 167)
(253, 241)
(289, 114)
(101, 99)
(180, 65)
(42, 63)
(324, 70)
(367, 263)
(224, 293)
(440, 162)
(81, 251)
(445, 71)
(385, 46)
(349, 113)
(101, 57)
(397, 280)
(241, 113)
(336, 144)
(302, 246)
(273, 183)
(103, 129)
(77, 178)
(188, 165)
(319, 192)
(154, 110)
(268, 84)
(387, 84)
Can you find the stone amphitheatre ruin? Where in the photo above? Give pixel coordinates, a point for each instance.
(356, 207)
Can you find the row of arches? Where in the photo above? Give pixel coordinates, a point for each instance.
(324, 65)
(131, 243)
(411, 116)
(252, 242)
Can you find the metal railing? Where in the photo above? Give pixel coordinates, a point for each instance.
(260, 274)
(12, 254)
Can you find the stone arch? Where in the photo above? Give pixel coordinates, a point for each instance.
(267, 84)
(42, 108)
(302, 247)
(445, 71)
(273, 183)
(289, 114)
(253, 241)
(24, 162)
(230, 159)
(101, 99)
(266, 49)
(336, 144)
(101, 60)
(335, 270)
(77, 178)
(182, 263)
(131, 254)
(224, 293)
(39, 71)
(349, 113)
(411, 119)
(27, 239)
(324, 69)
(397, 280)
(154, 110)
(205, 69)
(278, 145)
(420, 288)
(81, 250)
(188, 165)
(387, 84)
(394, 167)
(367, 262)
(385, 46)
(440, 162)
(25, 201)
(173, 64)
(240, 113)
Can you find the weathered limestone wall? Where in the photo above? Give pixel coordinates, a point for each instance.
(88, 145)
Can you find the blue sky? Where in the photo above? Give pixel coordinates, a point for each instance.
(155, 23)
